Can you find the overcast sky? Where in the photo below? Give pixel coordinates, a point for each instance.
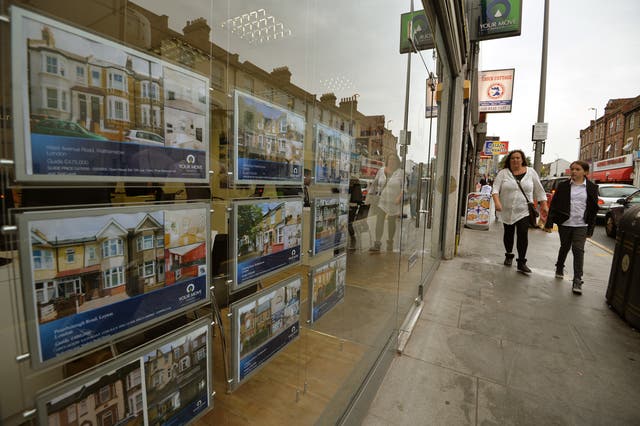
(593, 56)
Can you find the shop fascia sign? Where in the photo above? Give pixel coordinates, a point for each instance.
(614, 163)
(499, 19)
(496, 148)
(415, 26)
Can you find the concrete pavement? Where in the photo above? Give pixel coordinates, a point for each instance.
(494, 346)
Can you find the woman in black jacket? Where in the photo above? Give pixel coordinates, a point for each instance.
(573, 209)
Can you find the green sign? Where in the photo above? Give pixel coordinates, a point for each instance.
(415, 26)
(499, 18)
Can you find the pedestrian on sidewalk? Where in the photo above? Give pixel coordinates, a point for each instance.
(388, 184)
(485, 188)
(509, 189)
(573, 208)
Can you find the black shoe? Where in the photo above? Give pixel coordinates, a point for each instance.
(522, 266)
(508, 259)
(559, 272)
(577, 287)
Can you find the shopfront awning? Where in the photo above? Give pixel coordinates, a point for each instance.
(613, 175)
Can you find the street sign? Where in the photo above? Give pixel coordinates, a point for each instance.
(415, 26)
(499, 18)
(539, 132)
(495, 90)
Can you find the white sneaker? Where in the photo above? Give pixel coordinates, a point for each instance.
(577, 287)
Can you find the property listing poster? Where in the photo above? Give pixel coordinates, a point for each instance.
(97, 274)
(330, 222)
(333, 155)
(263, 325)
(168, 384)
(269, 142)
(97, 109)
(327, 286)
(268, 237)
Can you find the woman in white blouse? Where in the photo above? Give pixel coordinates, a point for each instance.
(510, 200)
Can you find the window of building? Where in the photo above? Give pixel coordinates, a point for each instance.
(156, 117)
(112, 247)
(95, 77)
(135, 402)
(632, 121)
(144, 89)
(91, 253)
(147, 269)
(217, 75)
(106, 418)
(118, 108)
(154, 91)
(146, 115)
(619, 124)
(133, 379)
(160, 241)
(113, 277)
(611, 127)
(45, 291)
(184, 363)
(70, 255)
(157, 378)
(104, 394)
(201, 354)
(177, 352)
(283, 126)
(42, 259)
(51, 64)
(145, 242)
(117, 80)
(80, 73)
(82, 407)
(52, 98)
(71, 413)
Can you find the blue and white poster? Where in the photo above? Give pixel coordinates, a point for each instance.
(166, 382)
(333, 155)
(268, 238)
(330, 222)
(99, 110)
(96, 274)
(268, 142)
(327, 285)
(264, 324)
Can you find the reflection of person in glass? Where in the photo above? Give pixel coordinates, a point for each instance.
(388, 184)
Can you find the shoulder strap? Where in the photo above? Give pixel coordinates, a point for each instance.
(520, 186)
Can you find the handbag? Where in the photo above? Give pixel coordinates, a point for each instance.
(533, 213)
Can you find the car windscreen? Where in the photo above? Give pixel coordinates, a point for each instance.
(616, 191)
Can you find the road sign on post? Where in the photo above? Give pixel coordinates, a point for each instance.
(539, 131)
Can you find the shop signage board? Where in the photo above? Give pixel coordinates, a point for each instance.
(499, 19)
(91, 108)
(146, 382)
(431, 106)
(262, 326)
(614, 163)
(329, 221)
(266, 238)
(95, 274)
(333, 155)
(495, 90)
(326, 286)
(415, 25)
(268, 142)
(478, 211)
(496, 147)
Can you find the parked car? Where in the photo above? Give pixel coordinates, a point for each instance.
(144, 137)
(550, 184)
(56, 127)
(609, 193)
(617, 210)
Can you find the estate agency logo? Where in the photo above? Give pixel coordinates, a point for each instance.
(190, 294)
(190, 163)
(495, 91)
(498, 10)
